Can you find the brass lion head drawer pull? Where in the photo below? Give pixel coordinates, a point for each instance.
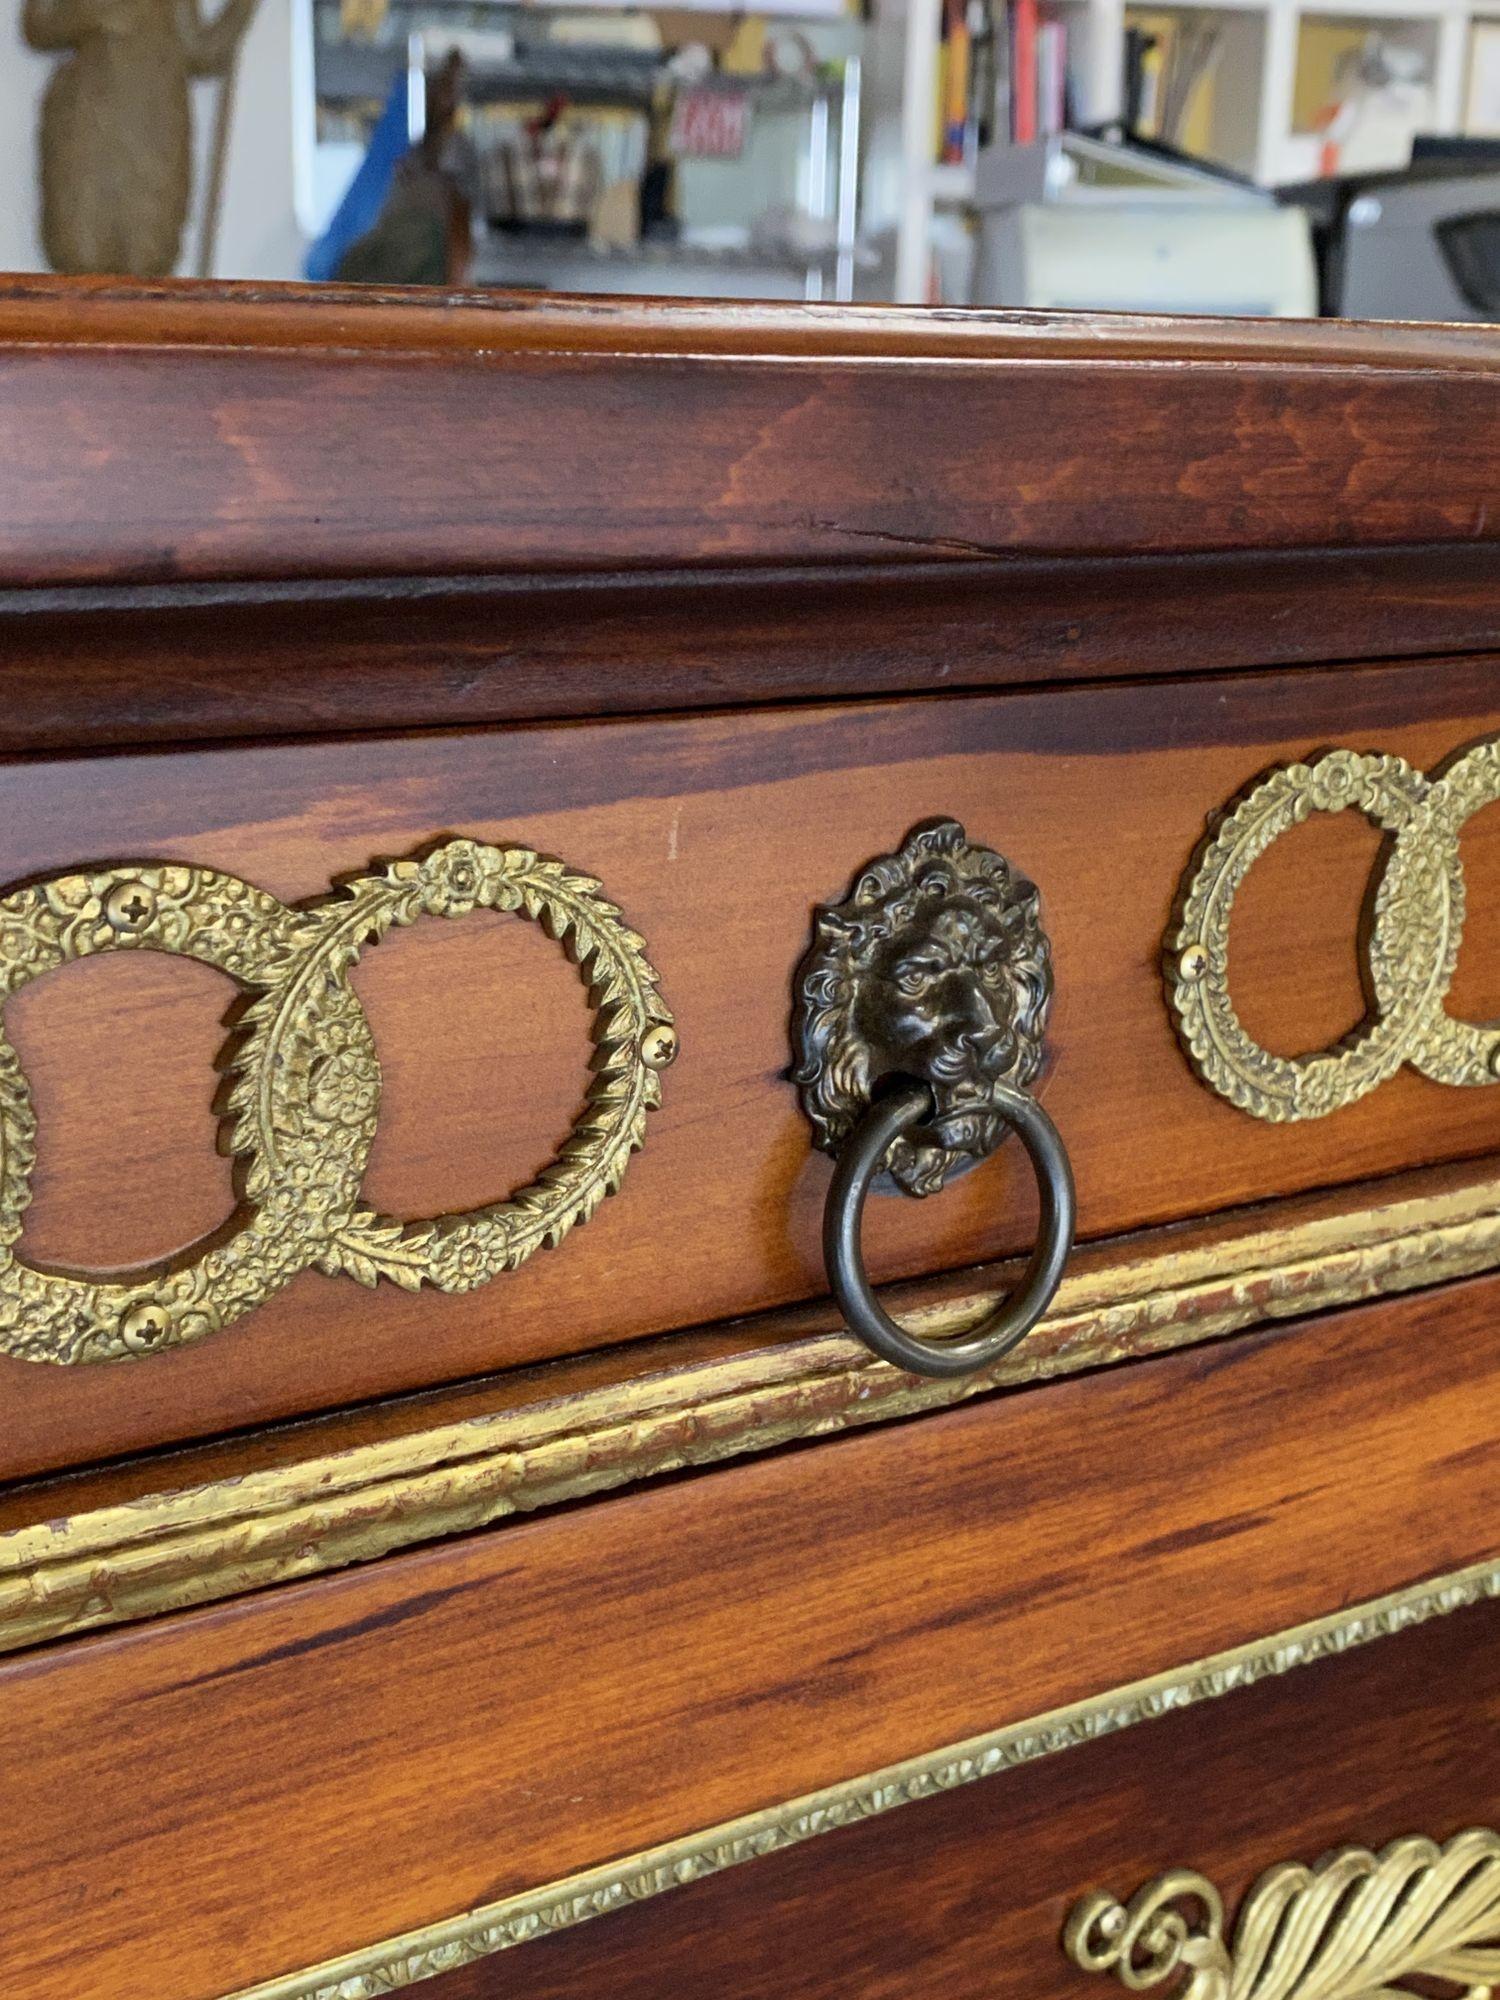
(306, 1090)
(1353, 1927)
(920, 1014)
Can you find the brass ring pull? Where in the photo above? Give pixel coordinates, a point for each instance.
(891, 1117)
(920, 1017)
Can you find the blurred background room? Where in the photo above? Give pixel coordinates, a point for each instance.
(1234, 156)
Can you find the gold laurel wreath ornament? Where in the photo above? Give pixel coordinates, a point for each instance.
(306, 1091)
(1411, 954)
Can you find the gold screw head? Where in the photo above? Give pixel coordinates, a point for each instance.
(145, 1327)
(659, 1045)
(1193, 963)
(129, 907)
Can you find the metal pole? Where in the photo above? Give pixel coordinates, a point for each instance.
(213, 198)
(848, 209)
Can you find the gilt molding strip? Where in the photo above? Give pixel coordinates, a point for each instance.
(170, 1550)
(457, 1941)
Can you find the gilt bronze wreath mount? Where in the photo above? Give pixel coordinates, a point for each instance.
(305, 1090)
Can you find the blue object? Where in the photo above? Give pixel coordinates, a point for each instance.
(365, 197)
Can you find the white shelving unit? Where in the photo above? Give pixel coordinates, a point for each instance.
(800, 156)
(1256, 86)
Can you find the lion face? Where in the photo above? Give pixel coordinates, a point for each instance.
(936, 968)
(940, 1004)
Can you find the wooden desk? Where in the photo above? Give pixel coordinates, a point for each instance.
(378, 1595)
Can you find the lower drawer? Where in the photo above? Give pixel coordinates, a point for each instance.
(418, 1759)
(966, 1896)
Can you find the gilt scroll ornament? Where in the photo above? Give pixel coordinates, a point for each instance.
(1415, 929)
(306, 1087)
(1353, 1927)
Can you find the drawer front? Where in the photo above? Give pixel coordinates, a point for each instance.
(717, 836)
(312, 1771)
(968, 1895)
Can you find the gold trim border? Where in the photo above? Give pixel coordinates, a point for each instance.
(168, 1551)
(457, 1941)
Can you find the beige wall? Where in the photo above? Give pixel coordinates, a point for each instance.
(258, 234)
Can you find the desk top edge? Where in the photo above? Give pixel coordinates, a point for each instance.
(114, 312)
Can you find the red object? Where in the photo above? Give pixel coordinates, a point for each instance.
(1023, 71)
(554, 108)
(709, 124)
(1329, 147)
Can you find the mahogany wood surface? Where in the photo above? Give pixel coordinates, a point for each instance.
(797, 1336)
(238, 510)
(43, 310)
(261, 432)
(717, 835)
(715, 602)
(230, 1794)
(964, 1896)
(156, 664)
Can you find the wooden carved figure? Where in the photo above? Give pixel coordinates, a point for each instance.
(116, 129)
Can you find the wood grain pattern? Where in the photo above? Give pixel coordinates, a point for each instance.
(46, 310)
(96, 667)
(243, 1791)
(770, 1349)
(964, 1896)
(274, 522)
(717, 835)
(80, 1551)
(262, 433)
